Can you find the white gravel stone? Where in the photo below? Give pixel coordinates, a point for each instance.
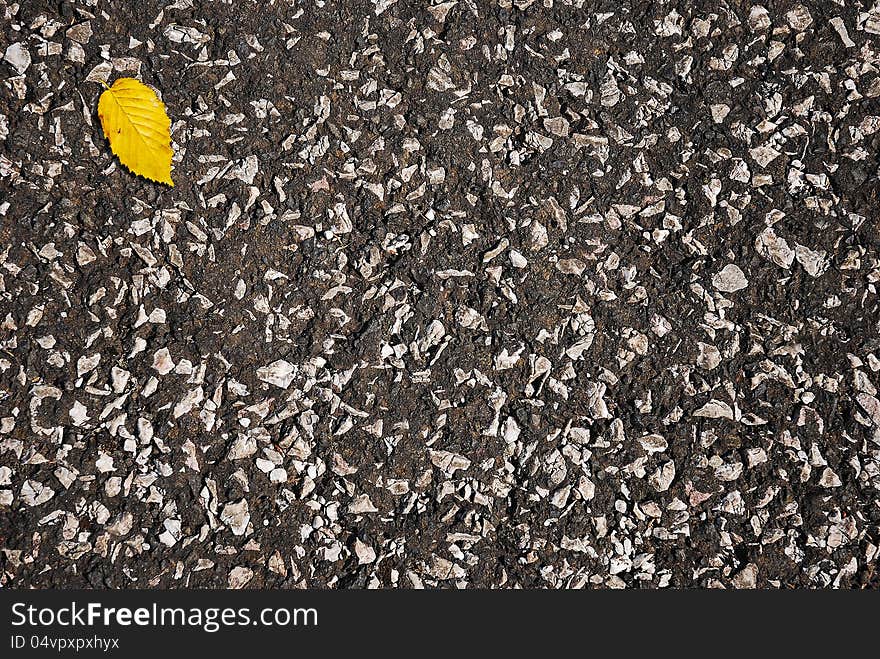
(662, 478)
(653, 443)
(78, 413)
(774, 248)
(715, 409)
(799, 18)
(708, 356)
(35, 493)
(364, 552)
(239, 577)
(280, 373)
(162, 361)
(236, 516)
(730, 279)
(18, 57)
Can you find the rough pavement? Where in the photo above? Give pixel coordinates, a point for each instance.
(520, 293)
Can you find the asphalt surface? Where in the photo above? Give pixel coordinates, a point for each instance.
(521, 293)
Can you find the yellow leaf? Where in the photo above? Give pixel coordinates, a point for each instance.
(139, 130)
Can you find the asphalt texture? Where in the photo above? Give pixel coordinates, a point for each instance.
(518, 294)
